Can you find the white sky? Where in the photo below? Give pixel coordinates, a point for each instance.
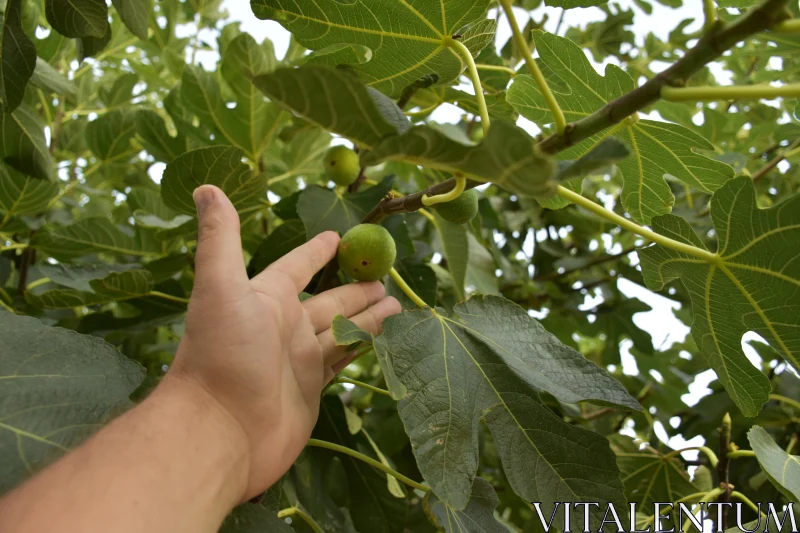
(660, 322)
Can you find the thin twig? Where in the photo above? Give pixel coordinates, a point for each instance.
(766, 169)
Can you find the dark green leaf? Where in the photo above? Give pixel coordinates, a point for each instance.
(17, 56)
(135, 14)
(22, 144)
(477, 516)
(280, 242)
(54, 399)
(23, 195)
(325, 210)
(349, 110)
(491, 360)
(78, 18)
(93, 235)
(253, 518)
(109, 136)
(156, 139)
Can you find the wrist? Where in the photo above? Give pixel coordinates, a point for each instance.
(215, 429)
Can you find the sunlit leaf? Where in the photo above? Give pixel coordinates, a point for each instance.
(54, 399)
(346, 332)
(113, 287)
(156, 139)
(408, 39)
(217, 165)
(46, 77)
(782, 468)
(751, 285)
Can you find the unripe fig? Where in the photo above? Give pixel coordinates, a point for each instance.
(367, 252)
(461, 210)
(341, 165)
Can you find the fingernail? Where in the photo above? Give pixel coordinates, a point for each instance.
(203, 198)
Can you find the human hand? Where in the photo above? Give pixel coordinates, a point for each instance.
(254, 349)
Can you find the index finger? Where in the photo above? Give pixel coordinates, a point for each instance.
(303, 262)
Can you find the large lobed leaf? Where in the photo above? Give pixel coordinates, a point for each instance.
(478, 515)
(750, 285)
(658, 149)
(408, 39)
(491, 360)
(57, 388)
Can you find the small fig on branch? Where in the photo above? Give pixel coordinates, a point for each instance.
(367, 252)
(341, 165)
(461, 210)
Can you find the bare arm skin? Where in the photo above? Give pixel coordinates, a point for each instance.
(232, 414)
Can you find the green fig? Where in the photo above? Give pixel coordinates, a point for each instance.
(367, 252)
(461, 210)
(341, 165)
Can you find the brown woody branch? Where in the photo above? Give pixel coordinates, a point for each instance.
(711, 46)
(723, 469)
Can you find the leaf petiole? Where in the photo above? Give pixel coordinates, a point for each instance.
(466, 55)
(291, 511)
(370, 461)
(541, 82)
(629, 225)
(406, 289)
(377, 390)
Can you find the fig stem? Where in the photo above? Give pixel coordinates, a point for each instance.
(406, 289)
(455, 192)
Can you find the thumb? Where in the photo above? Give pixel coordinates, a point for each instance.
(219, 263)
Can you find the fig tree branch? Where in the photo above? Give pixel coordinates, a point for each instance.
(712, 45)
(763, 171)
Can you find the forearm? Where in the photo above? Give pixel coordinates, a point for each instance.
(175, 463)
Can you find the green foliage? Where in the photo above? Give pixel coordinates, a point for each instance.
(476, 404)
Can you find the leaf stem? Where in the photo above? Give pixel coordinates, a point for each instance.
(291, 511)
(784, 399)
(497, 68)
(746, 500)
(34, 284)
(732, 92)
(631, 226)
(378, 390)
(741, 453)
(15, 246)
(406, 289)
(707, 497)
(461, 183)
(558, 115)
(787, 26)
(475, 77)
(7, 307)
(165, 296)
(712, 457)
(370, 461)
